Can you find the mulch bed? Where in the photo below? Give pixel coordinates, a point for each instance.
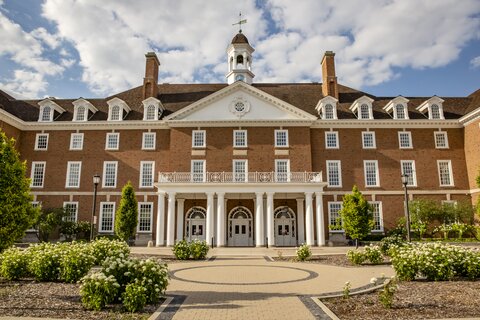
(339, 260)
(56, 300)
(414, 300)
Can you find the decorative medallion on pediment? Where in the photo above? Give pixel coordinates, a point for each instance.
(239, 106)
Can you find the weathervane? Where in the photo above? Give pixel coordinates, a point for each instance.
(240, 22)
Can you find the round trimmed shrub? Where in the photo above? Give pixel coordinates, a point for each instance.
(75, 262)
(97, 290)
(134, 298)
(13, 264)
(198, 249)
(181, 250)
(103, 248)
(44, 262)
(304, 252)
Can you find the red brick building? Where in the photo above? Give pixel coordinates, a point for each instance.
(244, 163)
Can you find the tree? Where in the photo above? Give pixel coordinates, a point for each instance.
(48, 221)
(17, 213)
(127, 214)
(356, 215)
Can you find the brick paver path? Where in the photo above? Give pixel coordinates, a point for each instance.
(250, 287)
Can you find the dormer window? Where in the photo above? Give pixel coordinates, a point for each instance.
(152, 109)
(398, 107)
(434, 106)
(47, 110)
(362, 107)
(327, 108)
(81, 109)
(116, 109)
(80, 114)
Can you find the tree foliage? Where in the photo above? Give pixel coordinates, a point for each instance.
(357, 215)
(48, 221)
(127, 214)
(16, 211)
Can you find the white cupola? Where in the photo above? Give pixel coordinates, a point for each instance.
(239, 54)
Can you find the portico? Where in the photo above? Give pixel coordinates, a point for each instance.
(261, 209)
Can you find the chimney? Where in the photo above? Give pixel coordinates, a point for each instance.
(150, 82)
(329, 84)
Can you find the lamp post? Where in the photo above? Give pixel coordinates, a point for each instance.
(96, 181)
(407, 211)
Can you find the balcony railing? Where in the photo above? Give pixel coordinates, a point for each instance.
(231, 177)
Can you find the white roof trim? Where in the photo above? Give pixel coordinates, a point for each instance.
(51, 103)
(155, 101)
(240, 85)
(360, 101)
(83, 102)
(120, 102)
(392, 103)
(432, 100)
(325, 101)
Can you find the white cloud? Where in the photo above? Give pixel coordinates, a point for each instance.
(475, 62)
(42, 34)
(26, 84)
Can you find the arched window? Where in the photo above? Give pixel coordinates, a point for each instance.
(364, 111)
(80, 113)
(400, 111)
(239, 59)
(151, 112)
(329, 112)
(115, 114)
(47, 114)
(435, 111)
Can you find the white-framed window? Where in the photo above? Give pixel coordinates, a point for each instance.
(38, 174)
(365, 112)
(107, 216)
(198, 138)
(35, 204)
(71, 210)
(151, 112)
(331, 140)
(80, 113)
(74, 170)
(198, 170)
(334, 208)
(405, 140)
(76, 141)
(441, 139)
(149, 140)
(282, 170)
(371, 173)
(240, 170)
(147, 174)
(400, 112)
(41, 141)
(368, 140)
(239, 138)
(109, 174)
(377, 216)
(334, 173)
(329, 112)
(445, 173)
(112, 141)
(46, 114)
(115, 113)
(435, 112)
(145, 217)
(408, 168)
(281, 138)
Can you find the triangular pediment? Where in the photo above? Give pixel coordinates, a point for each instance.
(240, 102)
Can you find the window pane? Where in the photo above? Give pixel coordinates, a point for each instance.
(364, 111)
(400, 111)
(239, 170)
(281, 138)
(281, 170)
(145, 217)
(73, 177)
(198, 138)
(71, 209)
(377, 219)
(409, 169)
(110, 174)
(370, 173)
(147, 174)
(368, 140)
(115, 114)
(46, 114)
(112, 141)
(149, 140)
(198, 174)
(106, 223)
(240, 138)
(76, 141)
(404, 140)
(333, 171)
(441, 140)
(42, 142)
(435, 109)
(38, 171)
(329, 114)
(80, 113)
(444, 171)
(332, 140)
(333, 209)
(151, 112)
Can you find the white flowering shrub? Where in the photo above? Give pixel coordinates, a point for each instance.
(104, 248)
(13, 264)
(153, 276)
(134, 298)
(356, 256)
(304, 252)
(372, 254)
(75, 262)
(44, 261)
(435, 261)
(121, 268)
(97, 290)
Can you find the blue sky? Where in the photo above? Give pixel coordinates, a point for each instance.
(89, 48)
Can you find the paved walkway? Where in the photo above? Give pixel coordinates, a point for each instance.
(252, 287)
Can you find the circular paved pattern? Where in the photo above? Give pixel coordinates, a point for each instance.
(250, 275)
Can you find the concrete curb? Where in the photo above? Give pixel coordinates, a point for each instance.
(156, 315)
(325, 309)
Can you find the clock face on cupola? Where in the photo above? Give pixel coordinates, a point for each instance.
(239, 77)
(239, 54)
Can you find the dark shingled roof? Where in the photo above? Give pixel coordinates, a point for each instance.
(239, 38)
(177, 96)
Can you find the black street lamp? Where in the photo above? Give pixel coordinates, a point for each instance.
(96, 181)
(407, 211)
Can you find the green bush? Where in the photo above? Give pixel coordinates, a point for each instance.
(386, 295)
(356, 256)
(198, 249)
(373, 254)
(134, 298)
(76, 262)
(122, 269)
(103, 248)
(153, 277)
(13, 264)
(181, 250)
(304, 252)
(44, 262)
(97, 290)
(387, 242)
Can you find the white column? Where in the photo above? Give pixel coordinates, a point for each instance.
(270, 224)
(309, 218)
(221, 219)
(320, 219)
(300, 222)
(180, 215)
(209, 222)
(259, 235)
(171, 220)
(160, 220)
